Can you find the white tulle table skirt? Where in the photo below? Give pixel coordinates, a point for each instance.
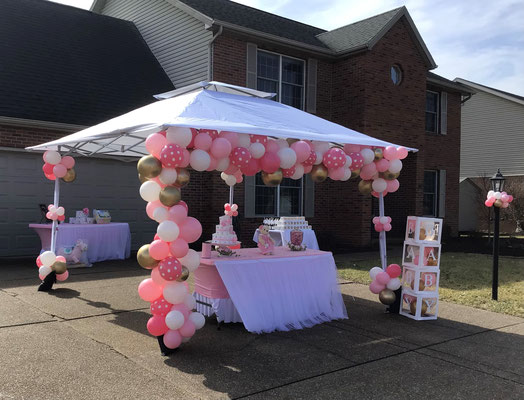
(224, 309)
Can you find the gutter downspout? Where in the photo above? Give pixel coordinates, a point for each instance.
(210, 61)
(465, 99)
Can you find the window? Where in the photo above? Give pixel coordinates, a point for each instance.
(281, 75)
(432, 111)
(396, 75)
(288, 196)
(430, 193)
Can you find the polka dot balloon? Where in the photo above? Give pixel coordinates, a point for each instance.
(170, 269)
(240, 157)
(160, 307)
(258, 139)
(172, 155)
(311, 159)
(334, 158)
(358, 161)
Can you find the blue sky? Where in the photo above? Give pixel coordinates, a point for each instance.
(478, 40)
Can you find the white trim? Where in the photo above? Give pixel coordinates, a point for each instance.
(209, 22)
(488, 90)
(34, 123)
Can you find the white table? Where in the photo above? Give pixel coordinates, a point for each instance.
(282, 237)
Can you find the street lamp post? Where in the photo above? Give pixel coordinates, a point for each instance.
(497, 183)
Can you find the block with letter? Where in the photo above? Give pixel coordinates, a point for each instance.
(419, 307)
(420, 255)
(420, 280)
(424, 230)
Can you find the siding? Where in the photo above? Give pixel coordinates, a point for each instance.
(492, 136)
(178, 41)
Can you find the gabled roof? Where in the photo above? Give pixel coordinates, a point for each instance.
(500, 93)
(446, 83)
(71, 66)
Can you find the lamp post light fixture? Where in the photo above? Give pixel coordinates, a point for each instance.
(497, 184)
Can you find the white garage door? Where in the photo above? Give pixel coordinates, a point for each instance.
(102, 184)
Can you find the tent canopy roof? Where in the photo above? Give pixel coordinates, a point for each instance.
(210, 105)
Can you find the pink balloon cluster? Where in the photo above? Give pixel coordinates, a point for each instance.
(45, 262)
(231, 209)
(382, 224)
(385, 279)
(498, 199)
(56, 166)
(55, 213)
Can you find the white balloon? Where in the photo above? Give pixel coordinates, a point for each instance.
(52, 209)
(52, 157)
(222, 164)
(179, 135)
(47, 258)
(318, 160)
(231, 180)
(287, 156)
(174, 292)
(299, 172)
(393, 284)
(150, 190)
(168, 231)
(44, 270)
(383, 220)
(347, 174)
(174, 319)
(349, 161)
(160, 214)
(168, 176)
(60, 211)
(395, 166)
(491, 193)
(282, 143)
(257, 150)
(379, 185)
(244, 140)
(191, 260)
(190, 301)
(373, 272)
(498, 195)
(198, 319)
(199, 160)
(368, 155)
(321, 147)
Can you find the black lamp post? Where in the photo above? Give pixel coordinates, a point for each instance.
(497, 184)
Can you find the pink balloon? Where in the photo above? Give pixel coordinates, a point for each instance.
(402, 152)
(149, 290)
(183, 204)
(156, 325)
(307, 169)
(368, 172)
(59, 170)
(182, 308)
(387, 227)
(212, 163)
(179, 248)
(334, 158)
(240, 157)
(50, 215)
(379, 227)
(203, 141)
(382, 278)
(172, 339)
(253, 166)
(61, 259)
(488, 203)
(232, 137)
(351, 148)
(158, 249)
(302, 149)
(188, 329)
(376, 220)
(336, 174)
(152, 206)
(382, 165)
(390, 153)
(68, 162)
(42, 277)
(270, 162)
(51, 177)
(160, 307)
(504, 198)
(48, 168)
(220, 148)
(177, 213)
(311, 159)
(170, 269)
(258, 139)
(392, 186)
(185, 158)
(62, 277)
(231, 170)
(394, 270)
(272, 146)
(376, 287)
(287, 173)
(190, 230)
(155, 276)
(38, 262)
(357, 161)
(155, 143)
(172, 155)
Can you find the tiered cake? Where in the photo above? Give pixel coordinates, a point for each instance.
(292, 223)
(225, 234)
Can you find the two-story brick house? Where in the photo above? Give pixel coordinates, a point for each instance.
(372, 76)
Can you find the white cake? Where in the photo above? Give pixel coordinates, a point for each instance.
(224, 233)
(292, 223)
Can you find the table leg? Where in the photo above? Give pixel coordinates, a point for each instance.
(48, 282)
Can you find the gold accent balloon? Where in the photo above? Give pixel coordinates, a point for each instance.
(70, 175)
(498, 203)
(142, 178)
(355, 173)
(149, 167)
(319, 173)
(272, 179)
(421, 285)
(387, 297)
(291, 141)
(144, 259)
(184, 276)
(59, 267)
(389, 176)
(413, 308)
(169, 196)
(365, 187)
(378, 154)
(182, 178)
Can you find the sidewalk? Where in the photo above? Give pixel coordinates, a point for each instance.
(88, 340)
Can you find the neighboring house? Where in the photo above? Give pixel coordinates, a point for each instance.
(492, 138)
(372, 76)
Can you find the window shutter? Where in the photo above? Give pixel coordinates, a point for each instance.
(309, 196)
(251, 63)
(311, 89)
(249, 196)
(443, 113)
(442, 194)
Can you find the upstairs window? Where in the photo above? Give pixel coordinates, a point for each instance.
(430, 202)
(287, 196)
(432, 111)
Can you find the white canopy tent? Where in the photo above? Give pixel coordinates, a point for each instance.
(206, 105)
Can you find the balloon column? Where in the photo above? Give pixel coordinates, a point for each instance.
(498, 199)
(382, 224)
(56, 166)
(384, 283)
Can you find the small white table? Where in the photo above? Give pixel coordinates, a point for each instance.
(282, 237)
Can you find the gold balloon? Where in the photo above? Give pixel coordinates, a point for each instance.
(144, 259)
(291, 141)
(413, 308)
(182, 178)
(355, 173)
(142, 178)
(319, 173)
(184, 276)
(59, 267)
(498, 203)
(421, 285)
(378, 154)
(389, 176)
(272, 179)
(70, 175)
(149, 167)
(387, 297)
(364, 187)
(169, 196)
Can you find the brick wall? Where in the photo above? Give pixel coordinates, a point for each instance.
(20, 137)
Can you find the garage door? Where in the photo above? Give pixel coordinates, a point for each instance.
(102, 184)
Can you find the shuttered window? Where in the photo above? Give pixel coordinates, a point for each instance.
(284, 200)
(430, 193)
(432, 111)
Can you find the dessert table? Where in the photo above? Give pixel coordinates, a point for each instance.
(282, 237)
(104, 241)
(285, 291)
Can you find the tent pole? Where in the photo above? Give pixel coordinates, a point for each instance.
(231, 189)
(382, 235)
(55, 222)
(278, 201)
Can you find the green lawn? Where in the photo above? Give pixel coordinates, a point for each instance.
(464, 279)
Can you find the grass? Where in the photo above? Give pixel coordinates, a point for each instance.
(464, 279)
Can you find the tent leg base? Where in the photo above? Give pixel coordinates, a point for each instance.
(165, 351)
(48, 282)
